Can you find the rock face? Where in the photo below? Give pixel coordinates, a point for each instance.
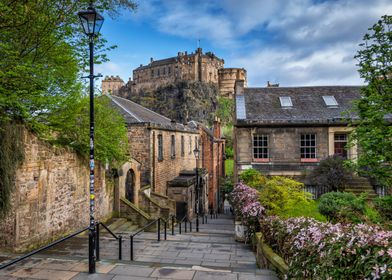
(181, 101)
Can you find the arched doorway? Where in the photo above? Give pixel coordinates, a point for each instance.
(130, 186)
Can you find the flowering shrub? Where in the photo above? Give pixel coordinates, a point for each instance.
(244, 200)
(316, 250)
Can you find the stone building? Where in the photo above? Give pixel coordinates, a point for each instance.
(164, 150)
(111, 84)
(288, 130)
(227, 78)
(213, 162)
(198, 66)
(193, 67)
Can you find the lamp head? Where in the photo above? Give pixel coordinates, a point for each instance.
(91, 21)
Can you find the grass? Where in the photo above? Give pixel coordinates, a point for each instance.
(229, 167)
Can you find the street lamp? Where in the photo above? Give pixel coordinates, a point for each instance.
(91, 22)
(196, 152)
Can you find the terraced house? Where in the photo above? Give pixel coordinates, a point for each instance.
(288, 130)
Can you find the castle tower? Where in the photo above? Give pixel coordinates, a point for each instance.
(227, 79)
(111, 84)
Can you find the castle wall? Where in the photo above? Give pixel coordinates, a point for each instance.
(227, 78)
(51, 196)
(111, 84)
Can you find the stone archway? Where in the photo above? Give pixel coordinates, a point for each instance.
(130, 186)
(133, 167)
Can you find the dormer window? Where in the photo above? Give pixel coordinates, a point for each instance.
(330, 101)
(285, 101)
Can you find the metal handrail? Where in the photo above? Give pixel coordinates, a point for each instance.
(184, 219)
(158, 221)
(119, 238)
(43, 248)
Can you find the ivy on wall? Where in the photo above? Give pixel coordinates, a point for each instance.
(11, 156)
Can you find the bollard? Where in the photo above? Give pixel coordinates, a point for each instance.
(206, 219)
(179, 226)
(159, 229)
(172, 225)
(190, 226)
(120, 247)
(165, 230)
(185, 225)
(131, 247)
(97, 242)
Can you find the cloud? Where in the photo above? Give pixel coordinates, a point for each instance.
(327, 66)
(290, 41)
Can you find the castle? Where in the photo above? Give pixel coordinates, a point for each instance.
(196, 67)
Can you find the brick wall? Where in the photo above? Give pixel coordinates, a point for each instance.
(51, 196)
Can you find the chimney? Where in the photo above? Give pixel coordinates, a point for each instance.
(151, 59)
(239, 87)
(217, 128)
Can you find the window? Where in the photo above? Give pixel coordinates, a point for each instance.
(182, 146)
(152, 73)
(173, 147)
(260, 147)
(160, 147)
(330, 101)
(169, 70)
(164, 70)
(158, 72)
(285, 101)
(190, 144)
(196, 146)
(340, 144)
(308, 146)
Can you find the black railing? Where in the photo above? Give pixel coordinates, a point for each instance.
(119, 238)
(214, 214)
(158, 222)
(184, 221)
(14, 261)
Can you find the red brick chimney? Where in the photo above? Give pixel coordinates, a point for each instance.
(217, 128)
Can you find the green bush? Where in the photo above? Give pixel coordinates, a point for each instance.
(342, 207)
(280, 194)
(384, 206)
(252, 178)
(305, 208)
(330, 174)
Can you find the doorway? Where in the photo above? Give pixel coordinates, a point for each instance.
(130, 186)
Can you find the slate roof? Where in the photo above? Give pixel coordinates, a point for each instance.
(135, 113)
(160, 62)
(262, 105)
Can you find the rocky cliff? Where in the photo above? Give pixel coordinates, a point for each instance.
(181, 101)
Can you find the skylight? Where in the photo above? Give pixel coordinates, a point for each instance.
(330, 101)
(285, 101)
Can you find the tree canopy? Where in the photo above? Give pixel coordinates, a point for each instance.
(43, 55)
(373, 130)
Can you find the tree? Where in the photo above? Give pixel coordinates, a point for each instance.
(373, 130)
(330, 174)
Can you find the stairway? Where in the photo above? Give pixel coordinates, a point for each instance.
(358, 185)
(121, 226)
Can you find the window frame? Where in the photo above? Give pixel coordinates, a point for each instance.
(182, 146)
(265, 156)
(306, 143)
(172, 146)
(160, 147)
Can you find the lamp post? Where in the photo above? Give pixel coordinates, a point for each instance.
(196, 152)
(91, 22)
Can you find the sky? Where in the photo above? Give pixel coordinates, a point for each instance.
(290, 42)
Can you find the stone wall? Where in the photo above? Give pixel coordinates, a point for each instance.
(169, 167)
(284, 149)
(227, 79)
(51, 196)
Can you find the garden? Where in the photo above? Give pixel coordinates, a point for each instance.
(338, 236)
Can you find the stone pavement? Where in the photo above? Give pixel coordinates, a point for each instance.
(211, 253)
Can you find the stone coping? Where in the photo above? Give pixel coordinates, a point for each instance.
(264, 251)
